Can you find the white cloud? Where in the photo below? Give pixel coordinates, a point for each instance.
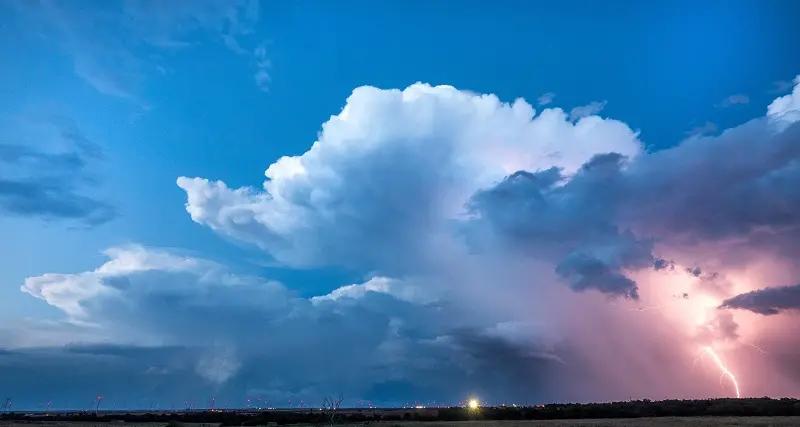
(401, 290)
(69, 291)
(590, 109)
(263, 64)
(392, 168)
(786, 109)
(736, 99)
(546, 99)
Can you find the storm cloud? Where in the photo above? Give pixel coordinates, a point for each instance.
(767, 301)
(241, 335)
(429, 180)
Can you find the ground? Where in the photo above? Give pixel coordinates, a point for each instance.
(636, 422)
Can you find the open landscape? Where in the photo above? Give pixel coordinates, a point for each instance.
(707, 412)
(638, 422)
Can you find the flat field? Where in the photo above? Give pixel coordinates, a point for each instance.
(637, 422)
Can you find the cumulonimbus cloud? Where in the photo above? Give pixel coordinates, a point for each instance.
(484, 225)
(428, 180)
(392, 169)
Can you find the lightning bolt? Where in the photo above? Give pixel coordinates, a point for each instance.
(706, 350)
(760, 350)
(725, 371)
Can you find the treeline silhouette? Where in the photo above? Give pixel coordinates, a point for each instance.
(628, 409)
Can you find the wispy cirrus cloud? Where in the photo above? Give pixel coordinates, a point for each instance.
(263, 65)
(736, 99)
(546, 99)
(590, 109)
(704, 129)
(116, 46)
(46, 170)
(781, 86)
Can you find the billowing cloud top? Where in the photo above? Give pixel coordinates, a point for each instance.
(496, 240)
(391, 169)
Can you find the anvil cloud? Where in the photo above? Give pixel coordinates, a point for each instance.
(506, 250)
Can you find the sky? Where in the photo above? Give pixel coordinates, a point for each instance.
(397, 202)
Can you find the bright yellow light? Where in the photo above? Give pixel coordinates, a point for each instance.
(473, 404)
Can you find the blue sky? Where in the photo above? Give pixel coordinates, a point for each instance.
(209, 89)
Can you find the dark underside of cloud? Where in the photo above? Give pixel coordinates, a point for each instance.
(571, 224)
(53, 184)
(603, 221)
(238, 337)
(767, 301)
(129, 376)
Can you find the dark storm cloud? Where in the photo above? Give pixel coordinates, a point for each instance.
(603, 220)
(663, 264)
(767, 301)
(717, 188)
(123, 375)
(500, 368)
(585, 271)
(141, 377)
(570, 223)
(52, 184)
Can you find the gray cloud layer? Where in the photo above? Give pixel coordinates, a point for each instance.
(53, 182)
(243, 336)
